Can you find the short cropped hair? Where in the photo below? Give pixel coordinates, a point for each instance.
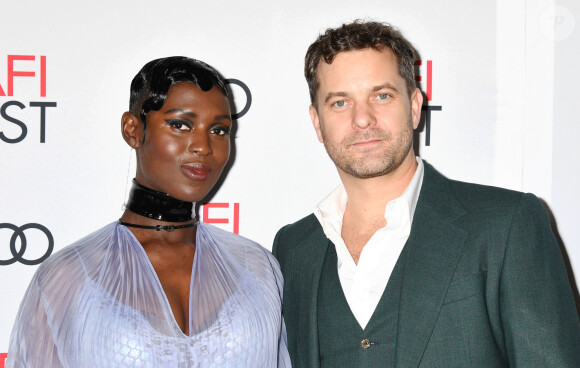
(150, 86)
(358, 35)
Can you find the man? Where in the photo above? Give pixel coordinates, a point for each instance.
(399, 266)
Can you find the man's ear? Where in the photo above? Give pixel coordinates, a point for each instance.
(132, 130)
(315, 122)
(416, 106)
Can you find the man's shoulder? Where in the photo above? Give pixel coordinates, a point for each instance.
(300, 229)
(294, 234)
(471, 195)
(486, 195)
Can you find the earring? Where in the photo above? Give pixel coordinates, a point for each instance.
(128, 182)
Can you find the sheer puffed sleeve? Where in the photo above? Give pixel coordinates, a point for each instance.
(43, 331)
(283, 355)
(31, 343)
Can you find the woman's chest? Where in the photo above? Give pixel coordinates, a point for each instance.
(237, 331)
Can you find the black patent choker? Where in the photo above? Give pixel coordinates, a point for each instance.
(158, 205)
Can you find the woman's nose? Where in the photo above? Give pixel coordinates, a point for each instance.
(200, 144)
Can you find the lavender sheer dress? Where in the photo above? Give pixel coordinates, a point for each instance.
(99, 303)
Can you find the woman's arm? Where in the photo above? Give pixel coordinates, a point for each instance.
(31, 342)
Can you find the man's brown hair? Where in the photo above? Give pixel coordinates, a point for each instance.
(358, 35)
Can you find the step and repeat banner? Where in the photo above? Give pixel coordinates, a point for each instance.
(500, 83)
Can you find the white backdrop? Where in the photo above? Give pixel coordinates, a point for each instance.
(503, 74)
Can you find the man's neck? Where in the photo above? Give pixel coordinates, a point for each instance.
(368, 198)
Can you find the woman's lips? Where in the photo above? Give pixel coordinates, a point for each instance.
(196, 171)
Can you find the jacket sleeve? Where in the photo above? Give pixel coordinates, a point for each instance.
(538, 315)
(284, 360)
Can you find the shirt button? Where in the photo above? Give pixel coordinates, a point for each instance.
(365, 344)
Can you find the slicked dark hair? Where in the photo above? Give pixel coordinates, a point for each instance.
(150, 86)
(358, 35)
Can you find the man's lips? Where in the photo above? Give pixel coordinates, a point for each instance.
(366, 139)
(366, 142)
(196, 171)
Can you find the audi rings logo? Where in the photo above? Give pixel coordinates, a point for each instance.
(18, 254)
(246, 90)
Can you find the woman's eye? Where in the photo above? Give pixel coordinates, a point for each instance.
(221, 131)
(179, 125)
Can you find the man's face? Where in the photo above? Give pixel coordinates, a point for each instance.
(363, 113)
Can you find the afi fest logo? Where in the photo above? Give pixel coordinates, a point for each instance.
(23, 73)
(222, 213)
(425, 69)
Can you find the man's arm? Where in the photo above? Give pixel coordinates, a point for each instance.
(538, 315)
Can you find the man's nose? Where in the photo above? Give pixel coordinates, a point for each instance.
(363, 116)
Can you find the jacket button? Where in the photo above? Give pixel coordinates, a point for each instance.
(365, 344)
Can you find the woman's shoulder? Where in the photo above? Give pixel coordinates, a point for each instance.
(73, 259)
(230, 240)
(253, 254)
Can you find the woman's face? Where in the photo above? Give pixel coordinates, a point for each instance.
(187, 142)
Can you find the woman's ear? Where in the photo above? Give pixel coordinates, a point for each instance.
(132, 130)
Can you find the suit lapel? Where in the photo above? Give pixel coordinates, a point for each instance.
(430, 258)
(312, 251)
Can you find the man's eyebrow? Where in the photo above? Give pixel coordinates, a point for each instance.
(331, 95)
(385, 86)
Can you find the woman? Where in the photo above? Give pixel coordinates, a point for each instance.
(156, 288)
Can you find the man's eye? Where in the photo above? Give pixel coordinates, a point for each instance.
(383, 96)
(179, 125)
(221, 131)
(340, 103)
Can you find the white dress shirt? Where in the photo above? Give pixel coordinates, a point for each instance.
(364, 283)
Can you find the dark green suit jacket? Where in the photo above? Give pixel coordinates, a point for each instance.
(483, 284)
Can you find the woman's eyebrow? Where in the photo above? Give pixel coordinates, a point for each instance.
(183, 111)
(221, 117)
